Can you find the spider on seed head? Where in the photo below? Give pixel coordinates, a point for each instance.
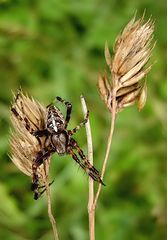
(57, 139)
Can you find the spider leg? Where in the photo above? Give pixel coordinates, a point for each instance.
(41, 133)
(40, 158)
(84, 163)
(44, 188)
(26, 121)
(71, 132)
(68, 112)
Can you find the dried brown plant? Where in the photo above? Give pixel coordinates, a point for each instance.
(25, 146)
(128, 67)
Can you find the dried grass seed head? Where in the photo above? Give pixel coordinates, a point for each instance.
(132, 52)
(26, 115)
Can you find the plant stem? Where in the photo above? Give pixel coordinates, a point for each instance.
(110, 137)
(51, 217)
(91, 182)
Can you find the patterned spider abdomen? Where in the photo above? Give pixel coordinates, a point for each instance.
(55, 121)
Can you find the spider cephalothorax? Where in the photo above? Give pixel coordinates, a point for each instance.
(56, 139)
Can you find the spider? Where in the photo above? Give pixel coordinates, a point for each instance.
(58, 140)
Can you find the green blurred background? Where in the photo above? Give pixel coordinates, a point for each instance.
(56, 47)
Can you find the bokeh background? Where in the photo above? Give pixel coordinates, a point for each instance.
(55, 48)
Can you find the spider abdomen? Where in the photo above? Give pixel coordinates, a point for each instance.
(55, 120)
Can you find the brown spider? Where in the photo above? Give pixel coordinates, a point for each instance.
(57, 140)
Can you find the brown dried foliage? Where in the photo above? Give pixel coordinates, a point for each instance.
(24, 146)
(128, 66)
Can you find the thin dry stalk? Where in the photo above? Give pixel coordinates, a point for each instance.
(109, 142)
(91, 212)
(50, 215)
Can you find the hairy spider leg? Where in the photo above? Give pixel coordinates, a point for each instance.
(84, 163)
(14, 111)
(68, 112)
(44, 188)
(26, 121)
(74, 130)
(41, 157)
(41, 133)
